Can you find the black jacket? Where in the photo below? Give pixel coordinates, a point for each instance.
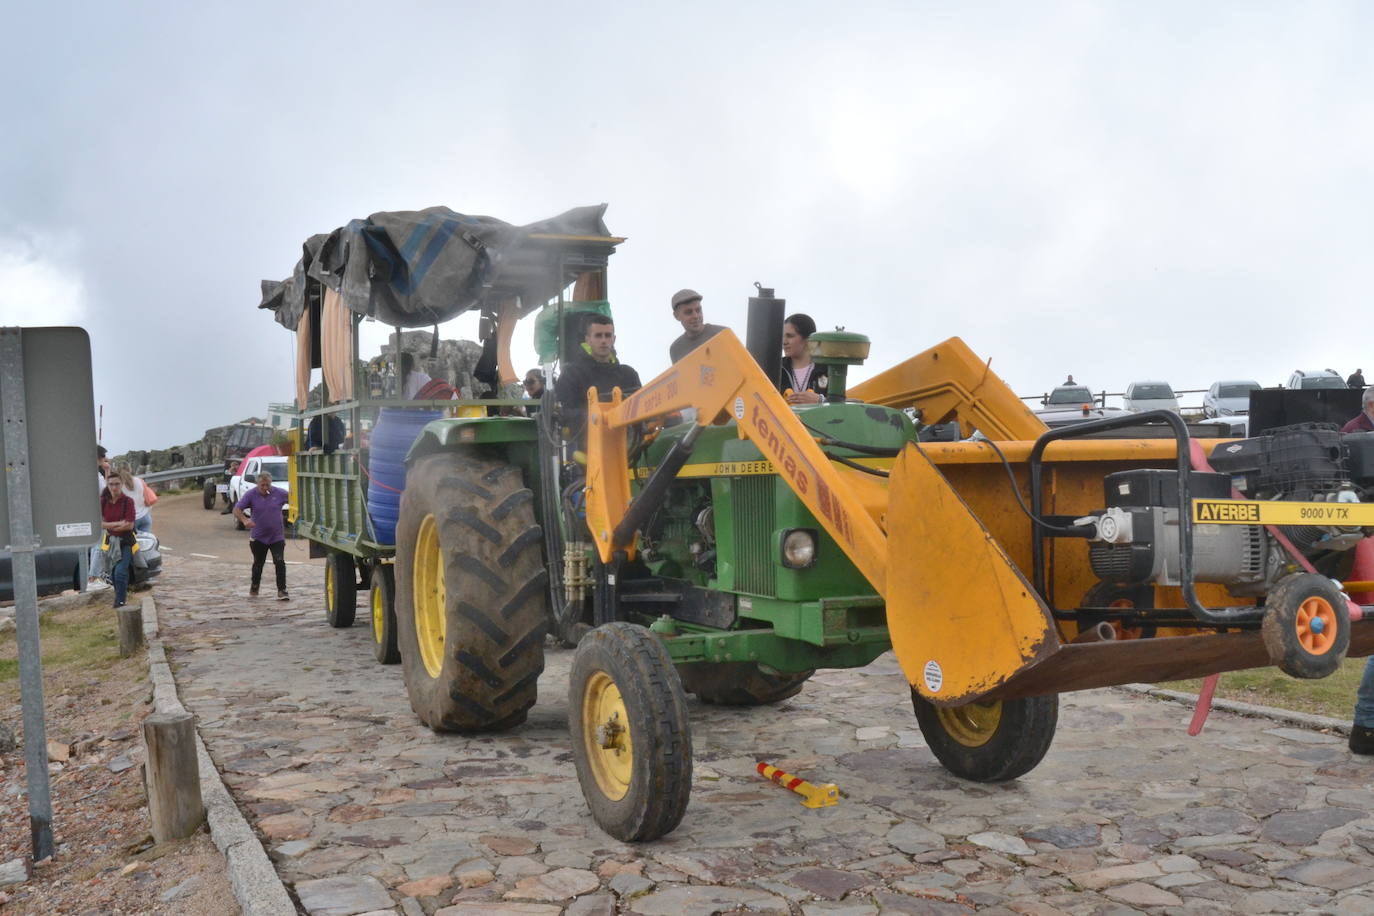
(585, 372)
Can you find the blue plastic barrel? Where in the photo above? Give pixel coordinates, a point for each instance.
(396, 430)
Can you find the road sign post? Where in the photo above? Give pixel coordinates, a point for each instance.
(22, 546)
(46, 410)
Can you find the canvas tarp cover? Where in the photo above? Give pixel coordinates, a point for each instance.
(414, 268)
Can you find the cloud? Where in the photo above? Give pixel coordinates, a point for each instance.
(40, 283)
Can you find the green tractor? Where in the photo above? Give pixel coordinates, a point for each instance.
(699, 536)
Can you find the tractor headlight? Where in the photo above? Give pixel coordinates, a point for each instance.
(798, 548)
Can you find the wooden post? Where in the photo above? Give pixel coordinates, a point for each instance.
(174, 803)
(130, 618)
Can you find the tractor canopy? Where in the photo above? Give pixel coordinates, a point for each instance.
(415, 268)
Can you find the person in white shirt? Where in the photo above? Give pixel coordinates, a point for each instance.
(137, 490)
(412, 379)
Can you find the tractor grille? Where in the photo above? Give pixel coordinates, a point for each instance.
(754, 515)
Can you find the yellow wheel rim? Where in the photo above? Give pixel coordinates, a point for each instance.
(430, 626)
(1316, 625)
(606, 736)
(972, 725)
(329, 589)
(378, 611)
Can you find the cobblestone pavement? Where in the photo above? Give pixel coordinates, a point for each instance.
(362, 809)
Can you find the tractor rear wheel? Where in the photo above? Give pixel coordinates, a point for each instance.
(990, 741)
(340, 589)
(471, 594)
(740, 683)
(383, 605)
(1307, 626)
(631, 738)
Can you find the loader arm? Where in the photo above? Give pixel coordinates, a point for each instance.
(720, 377)
(947, 380)
(962, 618)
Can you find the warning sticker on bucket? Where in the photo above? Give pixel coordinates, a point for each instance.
(934, 676)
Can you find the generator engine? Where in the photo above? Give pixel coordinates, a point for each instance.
(1135, 539)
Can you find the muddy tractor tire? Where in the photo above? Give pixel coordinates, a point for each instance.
(1306, 627)
(739, 683)
(991, 741)
(382, 602)
(340, 589)
(471, 593)
(209, 494)
(631, 738)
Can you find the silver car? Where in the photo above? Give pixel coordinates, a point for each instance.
(1229, 399)
(1143, 396)
(1315, 378)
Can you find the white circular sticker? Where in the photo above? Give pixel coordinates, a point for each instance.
(739, 408)
(935, 678)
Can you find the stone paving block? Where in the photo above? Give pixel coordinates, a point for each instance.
(561, 884)
(1332, 874)
(1116, 874)
(1303, 828)
(704, 900)
(1011, 845)
(1139, 894)
(342, 895)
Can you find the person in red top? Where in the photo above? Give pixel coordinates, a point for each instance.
(1364, 423)
(117, 518)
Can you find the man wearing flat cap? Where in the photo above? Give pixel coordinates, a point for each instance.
(695, 331)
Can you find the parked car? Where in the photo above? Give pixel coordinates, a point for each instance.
(56, 568)
(1068, 396)
(1315, 378)
(1229, 399)
(1068, 416)
(1154, 395)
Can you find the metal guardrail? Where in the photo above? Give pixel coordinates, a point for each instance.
(204, 470)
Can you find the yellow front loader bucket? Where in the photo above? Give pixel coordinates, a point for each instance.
(962, 617)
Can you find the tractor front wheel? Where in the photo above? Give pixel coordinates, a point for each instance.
(990, 741)
(471, 593)
(383, 604)
(740, 683)
(631, 739)
(340, 589)
(1306, 626)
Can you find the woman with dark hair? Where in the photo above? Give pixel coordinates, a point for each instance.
(804, 379)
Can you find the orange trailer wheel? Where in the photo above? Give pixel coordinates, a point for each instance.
(1306, 626)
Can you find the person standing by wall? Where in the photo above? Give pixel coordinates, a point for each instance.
(117, 518)
(1356, 379)
(267, 531)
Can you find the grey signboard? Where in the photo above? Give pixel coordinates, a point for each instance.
(60, 418)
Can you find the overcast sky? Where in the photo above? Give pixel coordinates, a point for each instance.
(1121, 191)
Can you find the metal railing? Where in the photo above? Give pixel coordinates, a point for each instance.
(204, 470)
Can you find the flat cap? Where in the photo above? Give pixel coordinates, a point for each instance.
(683, 296)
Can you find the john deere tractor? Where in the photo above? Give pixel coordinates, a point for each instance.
(701, 536)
